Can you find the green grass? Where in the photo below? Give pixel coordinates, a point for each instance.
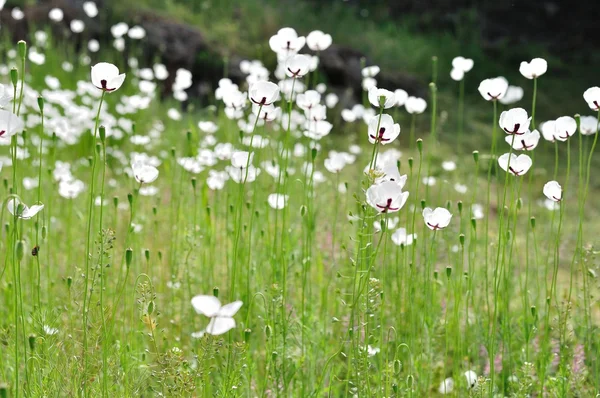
(318, 283)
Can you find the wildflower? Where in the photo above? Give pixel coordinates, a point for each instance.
(400, 237)
(463, 64)
(56, 15)
(517, 165)
(588, 125)
(493, 89)
(21, 210)
(381, 98)
(388, 131)
(457, 74)
(553, 191)
(6, 96)
(534, 69)
(277, 201)
(415, 105)
(308, 100)
(263, 93)
(144, 173)
(515, 121)
(564, 127)
(90, 9)
(10, 124)
(401, 96)
(525, 142)
(513, 94)
(446, 386)
(297, 66)
(106, 77)
(592, 97)
(548, 130)
(471, 379)
(386, 197)
(370, 71)
(436, 219)
(221, 317)
(286, 42)
(318, 41)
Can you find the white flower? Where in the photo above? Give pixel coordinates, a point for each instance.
(588, 125)
(493, 89)
(56, 14)
(308, 99)
(144, 173)
(381, 98)
(241, 159)
(90, 9)
(513, 94)
(106, 77)
(446, 386)
(564, 127)
(6, 96)
(318, 41)
(286, 42)
(534, 69)
(10, 124)
(21, 210)
(457, 74)
(50, 331)
(77, 26)
(463, 64)
(277, 201)
(517, 165)
(388, 131)
(436, 219)
(553, 191)
(548, 130)
(297, 66)
(400, 237)
(471, 377)
(401, 96)
(515, 121)
(370, 71)
(524, 142)
(221, 316)
(449, 165)
(592, 97)
(263, 93)
(386, 197)
(415, 105)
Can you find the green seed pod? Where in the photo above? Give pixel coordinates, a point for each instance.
(20, 250)
(274, 356)
(448, 271)
(189, 136)
(40, 101)
(448, 205)
(423, 204)
(410, 381)
(173, 152)
(519, 204)
(397, 366)
(22, 47)
(533, 311)
(102, 133)
(435, 274)
(420, 145)
(302, 210)
(216, 291)
(476, 156)
(98, 148)
(410, 163)
(461, 239)
(14, 76)
(3, 390)
(128, 257)
(160, 255)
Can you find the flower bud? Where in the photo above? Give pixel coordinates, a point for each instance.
(420, 145)
(461, 239)
(533, 311)
(31, 340)
(313, 153)
(22, 47)
(268, 331)
(459, 204)
(532, 222)
(44, 232)
(410, 163)
(474, 223)
(128, 257)
(194, 182)
(216, 291)
(147, 254)
(115, 201)
(102, 133)
(20, 250)
(476, 156)
(130, 199)
(448, 271)
(14, 76)
(247, 333)
(40, 101)
(69, 282)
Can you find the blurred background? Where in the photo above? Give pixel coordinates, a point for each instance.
(211, 37)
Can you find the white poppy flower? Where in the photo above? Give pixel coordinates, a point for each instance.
(144, 173)
(588, 125)
(318, 41)
(400, 237)
(381, 98)
(517, 165)
(592, 97)
(106, 77)
(463, 64)
(370, 71)
(386, 197)
(286, 42)
(90, 9)
(515, 121)
(513, 94)
(21, 210)
(297, 66)
(457, 74)
(241, 159)
(553, 191)
(221, 317)
(524, 142)
(277, 201)
(534, 69)
(415, 105)
(263, 93)
(388, 131)
(56, 14)
(564, 127)
(471, 377)
(447, 386)
(401, 96)
(10, 124)
(436, 219)
(493, 89)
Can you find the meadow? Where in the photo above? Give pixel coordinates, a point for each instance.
(280, 243)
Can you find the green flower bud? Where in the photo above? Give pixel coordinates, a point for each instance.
(14, 76)
(40, 101)
(22, 47)
(128, 257)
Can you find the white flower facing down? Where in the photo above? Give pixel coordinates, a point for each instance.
(10, 124)
(381, 98)
(436, 219)
(21, 210)
(415, 105)
(386, 197)
(516, 165)
(493, 89)
(553, 191)
(592, 97)
(515, 121)
(297, 66)
(527, 141)
(401, 238)
(144, 173)
(564, 127)
(106, 77)
(513, 94)
(318, 41)
(534, 69)
(263, 93)
(388, 130)
(221, 317)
